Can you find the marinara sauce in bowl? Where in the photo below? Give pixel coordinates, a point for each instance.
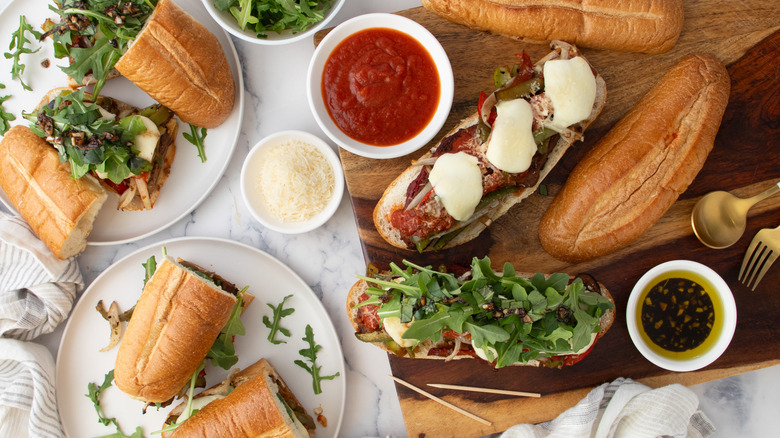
(380, 85)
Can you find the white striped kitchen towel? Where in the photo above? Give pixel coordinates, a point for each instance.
(37, 289)
(28, 407)
(625, 408)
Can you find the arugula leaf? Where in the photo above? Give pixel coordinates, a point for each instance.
(311, 354)
(17, 49)
(94, 395)
(149, 268)
(139, 433)
(279, 312)
(5, 117)
(223, 352)
(197, 138)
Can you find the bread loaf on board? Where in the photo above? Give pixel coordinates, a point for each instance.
(178, 62)
(649, 26)
(175, 322)
(634, 174)
(59, 209)
(249, 403)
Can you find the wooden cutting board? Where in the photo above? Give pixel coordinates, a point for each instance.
(745, 160)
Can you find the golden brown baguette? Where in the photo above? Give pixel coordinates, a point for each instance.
(59, 209)
(178, 62)
(636, 172)
(649, 26)
(246, 404)
(175, 322)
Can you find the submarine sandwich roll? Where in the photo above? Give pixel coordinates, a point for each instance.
(504, 318)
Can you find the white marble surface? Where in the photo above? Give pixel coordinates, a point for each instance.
(329, 258)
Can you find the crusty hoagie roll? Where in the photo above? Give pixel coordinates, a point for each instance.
(497, 157)
(649, 26)
(634, 173)
(253, 402)
(179, 315)
(59, 209)
(130, 150)
(505, 318)
(178, 62)
(155, 44)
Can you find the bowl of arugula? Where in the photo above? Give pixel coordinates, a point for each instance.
(272, 22)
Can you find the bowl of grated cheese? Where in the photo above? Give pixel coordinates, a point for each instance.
(292, 182)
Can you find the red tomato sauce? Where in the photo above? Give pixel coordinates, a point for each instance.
(381, 87)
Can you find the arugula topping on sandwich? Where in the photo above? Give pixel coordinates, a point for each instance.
(506, 318)
(92, 140)
(94, 34)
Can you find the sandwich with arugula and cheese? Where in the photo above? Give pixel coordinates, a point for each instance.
(495, 158)
(155, 44)
(504, 318)
(129, 150)
(254, 402)
(185, 314)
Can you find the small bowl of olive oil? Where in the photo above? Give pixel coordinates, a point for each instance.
(681, 315)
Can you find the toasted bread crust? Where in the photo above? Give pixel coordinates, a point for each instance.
(182, 65)
(649, 26)
(59, 209)
(631, 177)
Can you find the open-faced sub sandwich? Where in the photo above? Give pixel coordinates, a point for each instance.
(59, 209)
(130, 150)
(495, 158)
(177, 322)
(631, 177)
(504, 318)
(253, 402)
(649, 26)
(156, 45)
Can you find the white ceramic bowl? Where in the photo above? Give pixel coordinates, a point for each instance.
(229, 23)
(368, 21)
(722, 332)
(251, 191)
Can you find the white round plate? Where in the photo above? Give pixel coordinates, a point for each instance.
(80, 362)
(190, 180)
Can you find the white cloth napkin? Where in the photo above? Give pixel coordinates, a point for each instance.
(625, 408)
(37, 291)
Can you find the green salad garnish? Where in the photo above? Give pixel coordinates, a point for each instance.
(263, 16)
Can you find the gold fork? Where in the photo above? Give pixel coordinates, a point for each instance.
(760, 255)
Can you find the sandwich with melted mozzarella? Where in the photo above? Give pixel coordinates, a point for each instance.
(495, 158)
(505, 318)
(253, 402)
(129, 150)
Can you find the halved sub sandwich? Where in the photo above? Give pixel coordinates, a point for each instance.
(495, 158)
(130, 150)
(59, 209)
(181, 313)
(253, 402)
(505, 318)
(156, 45)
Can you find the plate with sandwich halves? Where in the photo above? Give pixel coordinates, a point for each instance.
(251, 346)
(170, 53)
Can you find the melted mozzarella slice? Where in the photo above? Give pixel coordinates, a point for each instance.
(457, 181)
(146, 141)
(511, 146)
(198, 404)
(571, 87)
(396, 329)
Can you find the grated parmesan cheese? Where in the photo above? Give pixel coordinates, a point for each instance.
(296, 181)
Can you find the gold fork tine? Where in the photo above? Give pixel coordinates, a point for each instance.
(759, 257)
(747, 262)
(771, 256)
